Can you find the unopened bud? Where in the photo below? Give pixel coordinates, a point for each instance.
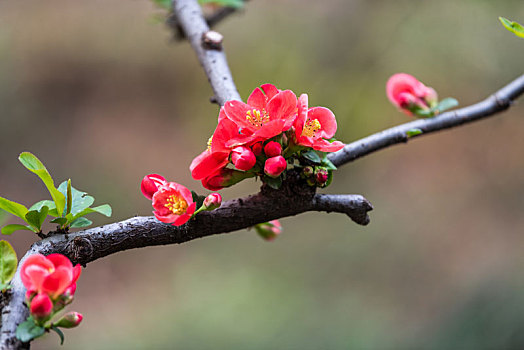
(213, 201)
(41, 306)
(321, 176)
(308, 171)
(257, 148)
(275, 166)
(243, 158)
(69, 320)
(269, 230)
(272, 149)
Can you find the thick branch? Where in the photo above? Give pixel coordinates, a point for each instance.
(189, 15)
(499, 101)
(89, 245)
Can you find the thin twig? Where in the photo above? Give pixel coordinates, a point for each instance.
(498, 102)
(188, 15)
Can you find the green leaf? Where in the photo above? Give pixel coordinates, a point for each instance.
(79, 199)
(329, 179)
(3, 216)
(33, 164)
(446, 104)
(68, 197)
(81, 222)
(7, 230)
(198, 199)
(4, 287)
(59, 221)
(104, 209)
(8, 262)
(326, 163)
(39, 205)
(514, 27)
(13, 208)
(60, 334)
(36, 218)
(28, 330)
(227, 3)
(273, 182)
(413, 132)
(312, 156)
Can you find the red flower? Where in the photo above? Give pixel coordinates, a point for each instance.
(408, 94)
(150, 184)
(243, 158)
(173, 204)
(314, 125)
(275, 166)
(268, 112)
(41, 306)
(216, 156)
(51, 275)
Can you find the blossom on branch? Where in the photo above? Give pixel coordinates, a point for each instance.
(173, 204)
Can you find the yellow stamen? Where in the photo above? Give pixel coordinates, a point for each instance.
(256, 118)
(209, 143)
(311, 127)
(176, 204)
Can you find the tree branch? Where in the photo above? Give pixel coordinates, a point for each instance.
(89, 245)
(498, 102)
(188, 15)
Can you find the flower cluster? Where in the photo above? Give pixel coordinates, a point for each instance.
(264, 136)
(51, 284)
(174, 203)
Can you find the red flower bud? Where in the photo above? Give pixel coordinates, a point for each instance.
(150, 184)
(273, 149)
(275, 166)
(257, 148)
(41, 306)
(213, 201)
(321, 176)
(243, 158)
(409, 94)
(269, 230)
(224, 178)
(308, 171)
(69, 320)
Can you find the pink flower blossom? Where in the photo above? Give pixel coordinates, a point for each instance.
(173, 204)
(314, 126)
(150, 184)
(409, 94)
(51, 275)
(275, 166)
(267, 113)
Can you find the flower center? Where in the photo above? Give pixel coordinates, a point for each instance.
(176, 204)
(257, 118)
(311, 127)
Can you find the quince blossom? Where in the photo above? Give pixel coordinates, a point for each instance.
(173, 204)
(409, 94)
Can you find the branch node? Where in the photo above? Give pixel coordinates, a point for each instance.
(212, 40)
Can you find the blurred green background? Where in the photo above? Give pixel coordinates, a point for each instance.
(99, 91)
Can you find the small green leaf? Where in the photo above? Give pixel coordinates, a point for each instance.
(3, 216)
(13, 208)
(273, 182)
(79, 199)
(326, 163)
(8, 229)
(28, 330)
(329, 179)
(226, 3)
(68, 197)
(413, 132)
(81, 222)
(59, 221)
(165, 4)
(312, 156)
(39, 205)
(446, 104)
(8, 262)
(4, 287)
(104, 209)
(60, 334)
(424, 113)
(198, 199)
(36, 218)
(514, 27)
(33, 164)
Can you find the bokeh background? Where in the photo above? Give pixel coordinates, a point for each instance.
(99, 91)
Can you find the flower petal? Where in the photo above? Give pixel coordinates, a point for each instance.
(236, 111)
(208, 163)
(282, 106)
(257, 99)
(326, 146)
(60, 260)
(326, 119)
(270, 90)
